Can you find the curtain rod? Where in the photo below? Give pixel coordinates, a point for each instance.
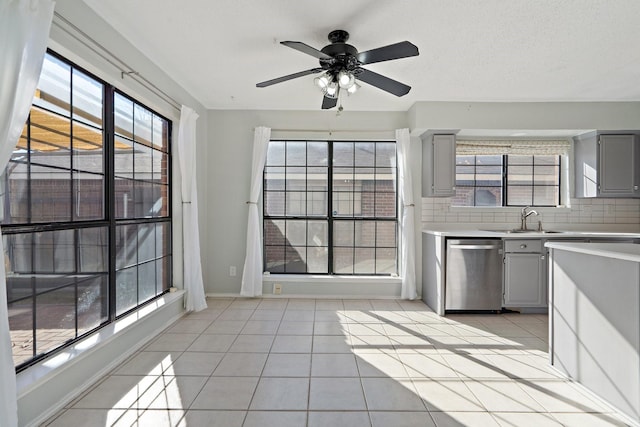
(112, 59)
(333, 131)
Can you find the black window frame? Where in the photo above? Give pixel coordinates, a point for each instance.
(504, 183)
(332, 217)
(109, 220)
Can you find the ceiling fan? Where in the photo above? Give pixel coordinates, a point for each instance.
(341, 65)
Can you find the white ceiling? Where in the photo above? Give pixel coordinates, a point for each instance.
(490, 50)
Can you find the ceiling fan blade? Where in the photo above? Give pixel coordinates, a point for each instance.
(386, 53)
(305, 48)
(382, 82)
(329, 102)
(289, 77)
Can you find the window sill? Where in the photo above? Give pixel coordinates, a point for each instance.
(329, 278)
(31, 377)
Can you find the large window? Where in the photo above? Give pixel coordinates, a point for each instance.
(507, 180)
(330, 208)
(85, 211)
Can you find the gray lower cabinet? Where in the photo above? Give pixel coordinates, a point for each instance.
(525, 274)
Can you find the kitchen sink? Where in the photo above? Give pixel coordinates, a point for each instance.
(519, 231)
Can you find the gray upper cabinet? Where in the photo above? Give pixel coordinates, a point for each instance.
(607, 165)
(439, 166)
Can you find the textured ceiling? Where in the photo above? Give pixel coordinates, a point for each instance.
(490, 50)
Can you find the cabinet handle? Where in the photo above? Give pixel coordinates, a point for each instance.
(542, 257)
(635, 187)
(522, 246)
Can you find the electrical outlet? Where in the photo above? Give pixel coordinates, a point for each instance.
(232, 270)
(277, 288)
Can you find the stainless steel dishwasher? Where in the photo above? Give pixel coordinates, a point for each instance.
(473, 279)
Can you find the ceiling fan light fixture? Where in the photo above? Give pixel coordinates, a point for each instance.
(346, 80)
(353, 89)
(332, 90)
(323, 81)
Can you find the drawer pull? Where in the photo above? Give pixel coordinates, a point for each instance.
(523, 246)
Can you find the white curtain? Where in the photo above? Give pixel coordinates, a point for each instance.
(407, 225)
(24, 32)
(193, 284)
(252, 271)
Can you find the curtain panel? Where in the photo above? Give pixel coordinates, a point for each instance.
(24, 32)
(407, 224)
(193, 284)
(253, 267)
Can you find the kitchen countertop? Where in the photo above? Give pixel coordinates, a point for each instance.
(623, 251)
(559, 234)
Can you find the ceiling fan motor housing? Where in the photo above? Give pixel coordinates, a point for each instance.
(343, 55)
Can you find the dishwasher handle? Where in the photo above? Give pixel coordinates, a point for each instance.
(463, 247)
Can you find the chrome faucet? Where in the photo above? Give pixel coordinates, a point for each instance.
(523, 216)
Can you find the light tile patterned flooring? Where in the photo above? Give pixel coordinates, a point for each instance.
(316, 363)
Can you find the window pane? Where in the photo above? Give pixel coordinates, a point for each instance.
(316, 203)
(55, 318)
(343, 233)
(385, 205)
(489, 160)
(142, 122)
(296, 260)
(274, 232)
(365, 233)
(16, 189)
(160, 167)
(50, 194)
(123, 116)
(317, 260)
(385, 154)
(87, 99)
(386, 261)
(343, 154)
(126, 289)
(296, 203)
(343, 260)
(146, 242)
(163, 273)
(126, 246)
(317, 153)
(488, 196)
(296, 178)
(88, 196)
(54, 88)
(386, 234)
(20, 325)
(546, 160)
(163, 239)
(545, 195)
(274, 203)
(296, 153)
(546, 175)
(520, 175)
(93, 254)
(54, 251)
(317, 233)
(123, 163)
(124, 198)
(317, 179)
(274, 259)
(50, 139)
(519, 160)
(364, 261)
(365, 154)
(385, 180)
(160, 133)
(88, 154)
(147, 198)
(296, 233)
(18, 251)
(347, 204)
(93, 298)
(488, 176)
(275, 153)
(343, 179)
(142, 163)
(464, 196)
(274, 178)
(519, 195)
(146, 281)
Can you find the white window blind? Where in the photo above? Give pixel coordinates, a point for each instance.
(516, 147)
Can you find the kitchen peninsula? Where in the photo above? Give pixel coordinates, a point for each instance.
(594, 319)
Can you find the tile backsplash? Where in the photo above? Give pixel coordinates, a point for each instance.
(582, 211)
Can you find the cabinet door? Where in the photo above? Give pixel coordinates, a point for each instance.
(525, 280)
(617, 165)
(444, 165)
